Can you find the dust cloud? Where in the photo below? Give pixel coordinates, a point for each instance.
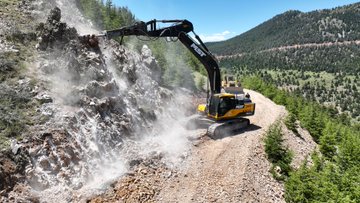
(111, 110)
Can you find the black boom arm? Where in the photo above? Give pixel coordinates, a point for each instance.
(179, 29)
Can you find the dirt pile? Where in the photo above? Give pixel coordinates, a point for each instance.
(140, 185)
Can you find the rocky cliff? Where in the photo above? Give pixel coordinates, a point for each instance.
(97, 111)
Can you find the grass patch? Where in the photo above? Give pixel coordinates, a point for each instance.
(17, 107)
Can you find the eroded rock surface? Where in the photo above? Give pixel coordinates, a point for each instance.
(94, 104)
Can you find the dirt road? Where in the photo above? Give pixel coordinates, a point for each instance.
(296, 46)
(232, 169)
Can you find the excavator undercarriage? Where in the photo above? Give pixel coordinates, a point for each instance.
(217, 129)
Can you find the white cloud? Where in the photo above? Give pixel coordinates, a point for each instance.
(217, 36)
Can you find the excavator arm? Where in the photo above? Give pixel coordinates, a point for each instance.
(179, 29)
(224, 111)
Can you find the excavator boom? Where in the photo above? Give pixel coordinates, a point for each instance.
(223, 110)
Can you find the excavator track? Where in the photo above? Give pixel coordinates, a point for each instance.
(217, 129)
(223, 129)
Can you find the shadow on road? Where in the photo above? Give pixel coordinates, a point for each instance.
(250, 128)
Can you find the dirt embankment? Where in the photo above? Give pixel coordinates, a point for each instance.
(232, 169)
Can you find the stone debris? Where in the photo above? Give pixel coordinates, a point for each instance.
(44, 98)
(12, 170)
(140, 185)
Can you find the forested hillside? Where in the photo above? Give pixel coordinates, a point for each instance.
(315, 54)
(295, 27)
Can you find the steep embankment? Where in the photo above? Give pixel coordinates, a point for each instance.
(232, 169)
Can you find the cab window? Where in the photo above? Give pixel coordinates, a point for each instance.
(226, 104)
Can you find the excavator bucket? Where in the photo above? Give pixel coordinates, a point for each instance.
(90, 41)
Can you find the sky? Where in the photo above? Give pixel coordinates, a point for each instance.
(217, 20)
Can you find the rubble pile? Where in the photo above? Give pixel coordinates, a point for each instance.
(143, 184)
(12, 167)
(105, 113)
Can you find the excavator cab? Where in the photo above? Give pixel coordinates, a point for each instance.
(226, 106)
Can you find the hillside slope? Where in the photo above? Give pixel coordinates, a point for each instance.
(295, 27)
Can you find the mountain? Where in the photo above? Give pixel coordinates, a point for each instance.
(315, 54)
(295, 27)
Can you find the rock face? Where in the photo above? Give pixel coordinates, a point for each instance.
(12, 169)
(53, 32)
(104, 113)
(95, 103)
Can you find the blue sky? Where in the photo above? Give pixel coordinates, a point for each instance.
(222, 19)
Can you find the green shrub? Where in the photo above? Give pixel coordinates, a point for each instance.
(290, 122)
(277, 154)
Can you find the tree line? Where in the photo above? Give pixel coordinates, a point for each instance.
(105, 14)
(332, 59)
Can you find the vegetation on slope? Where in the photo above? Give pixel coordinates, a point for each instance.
(333, 59)
(105, 14)
(327, 73)
(338, 91)
(333, 177)
(17, 105)
(14, 99)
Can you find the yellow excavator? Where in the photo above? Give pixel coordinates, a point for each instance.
(223, 112)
